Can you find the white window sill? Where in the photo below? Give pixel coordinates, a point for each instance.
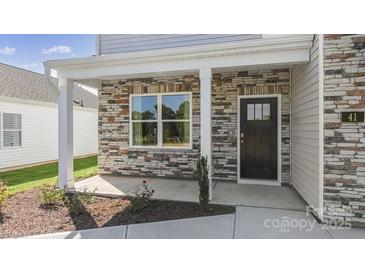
(158, 149)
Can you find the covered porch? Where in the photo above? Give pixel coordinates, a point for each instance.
(187, 190)
(298, 132)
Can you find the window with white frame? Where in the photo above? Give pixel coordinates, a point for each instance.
(161, 120)
(12, 129)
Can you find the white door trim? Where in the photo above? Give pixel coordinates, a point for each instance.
(258, 181)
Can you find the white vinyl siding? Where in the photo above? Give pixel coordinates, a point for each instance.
(40, 133)
(305, 129)
(118, 43)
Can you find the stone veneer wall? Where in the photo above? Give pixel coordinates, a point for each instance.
(344, 143)
(115, 156)
(226, 87)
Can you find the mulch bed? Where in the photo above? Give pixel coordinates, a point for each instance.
(22, 214)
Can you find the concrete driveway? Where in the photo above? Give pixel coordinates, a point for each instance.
(246, 223)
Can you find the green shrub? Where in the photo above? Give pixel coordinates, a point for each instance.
(76, 202)
(142, 198)
(3, 193)
(203, 171)
(50, 196)
(86, 197)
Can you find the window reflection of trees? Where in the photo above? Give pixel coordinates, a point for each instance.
(176, 132)
(146, 115)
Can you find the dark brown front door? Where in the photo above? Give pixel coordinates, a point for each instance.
(258, 138)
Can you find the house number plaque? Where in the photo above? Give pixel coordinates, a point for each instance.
(352, 117)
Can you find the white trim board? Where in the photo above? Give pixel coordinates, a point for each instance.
(321, 124)
(259, 181)
(119, 68)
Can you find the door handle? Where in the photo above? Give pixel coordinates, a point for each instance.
(242, 136)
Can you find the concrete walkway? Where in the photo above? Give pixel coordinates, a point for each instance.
(178, 190)
(261, 212)
(284, 197)
(246, 223)
(187, 190)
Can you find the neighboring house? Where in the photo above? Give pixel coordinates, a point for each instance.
(265, 109)
(29, 118)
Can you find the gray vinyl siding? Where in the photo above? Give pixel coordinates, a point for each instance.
(305, 128)
(119, 43)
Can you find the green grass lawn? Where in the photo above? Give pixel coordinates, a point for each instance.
(31, 177)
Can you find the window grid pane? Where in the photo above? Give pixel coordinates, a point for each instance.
(12, 121)
(12, 138)
(176, 134)
(175, 107)
(144, 108)
(266, 114)
(258, 111)
(250, 112)
(144, 133)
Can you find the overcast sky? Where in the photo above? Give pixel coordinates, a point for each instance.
(29, 51)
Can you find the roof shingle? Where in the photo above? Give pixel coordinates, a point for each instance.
(24, 84)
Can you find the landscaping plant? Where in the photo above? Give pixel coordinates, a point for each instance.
(51, 196)
(203, 170)
(76, 202)
(142, 197)
(3, 194)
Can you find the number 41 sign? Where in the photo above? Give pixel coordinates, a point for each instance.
(352, 117)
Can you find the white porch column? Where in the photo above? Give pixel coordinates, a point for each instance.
(65, 133)
(206, 121)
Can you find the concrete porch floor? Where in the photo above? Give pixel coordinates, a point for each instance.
(187, 190)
